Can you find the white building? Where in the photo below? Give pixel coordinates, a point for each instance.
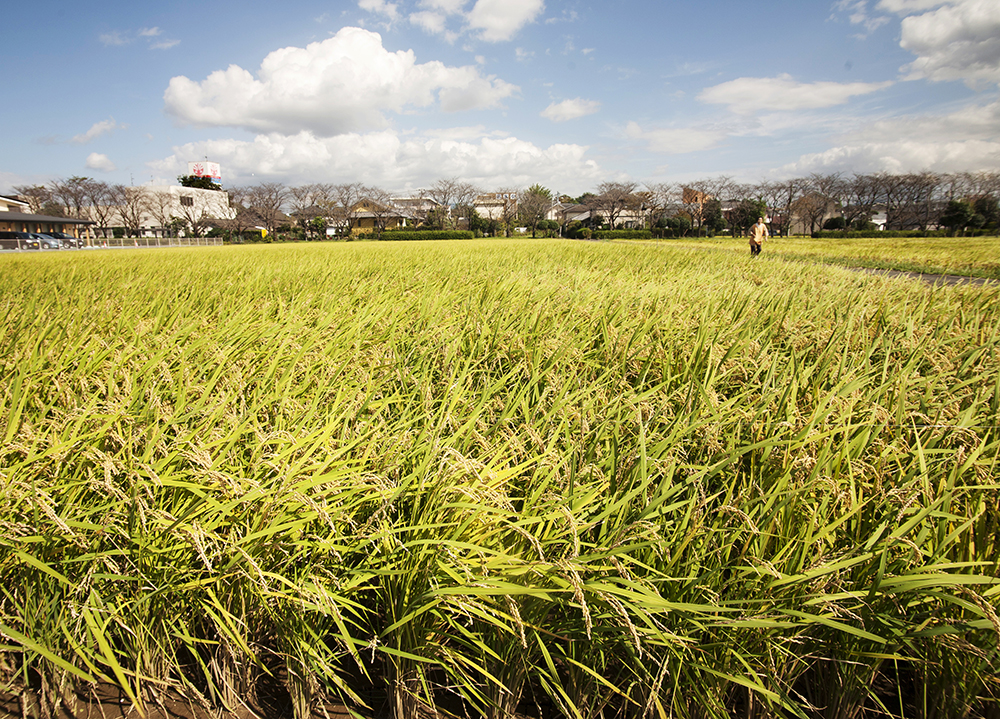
(162, 209)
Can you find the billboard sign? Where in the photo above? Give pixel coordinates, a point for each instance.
(206, 169)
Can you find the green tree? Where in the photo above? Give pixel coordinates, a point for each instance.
(744, 215)
(957, 216)
(989, 208)
(203, 183)
(533, 205)
(715, 221)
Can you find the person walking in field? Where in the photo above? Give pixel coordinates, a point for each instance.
(758, 233)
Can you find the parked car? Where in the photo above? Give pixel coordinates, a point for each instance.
(47, 242)
(68, 240)
(18, 241)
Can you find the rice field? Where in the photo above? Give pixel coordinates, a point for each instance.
(497, 479)
(971, 257)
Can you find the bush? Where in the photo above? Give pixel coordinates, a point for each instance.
(878, 233)
(835, 223)
(623, 235)
(582, 233)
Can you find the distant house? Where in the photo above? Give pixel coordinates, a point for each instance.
(15, 217)
(496, 205)
(418, 207)
(370, 215)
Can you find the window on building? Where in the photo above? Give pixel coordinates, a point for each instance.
(187, 201)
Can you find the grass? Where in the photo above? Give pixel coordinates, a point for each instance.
(493, 477)
(970, 257)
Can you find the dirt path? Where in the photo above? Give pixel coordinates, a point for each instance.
(931, 278)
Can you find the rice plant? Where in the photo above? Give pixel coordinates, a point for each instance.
(497, 479)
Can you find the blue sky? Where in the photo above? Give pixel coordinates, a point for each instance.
(502, 93)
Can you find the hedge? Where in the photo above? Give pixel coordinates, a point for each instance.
(623, 235)
(896, 233)
(403, 235)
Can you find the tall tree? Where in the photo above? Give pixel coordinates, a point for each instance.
(72, 195)
(341, 207)
(131, 204)
(100, 204)
(533, 205)
(267, 200)
(615, 198)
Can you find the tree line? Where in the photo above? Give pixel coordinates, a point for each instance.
(908, 201)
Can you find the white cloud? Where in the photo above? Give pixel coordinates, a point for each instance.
(164, 44)
(900, 156)
(464, 133)
(965, 140)
(499, 20)
(96, 130)
(570, 109)
(858, 15)
(102, 163)
(381, 7)
(750, 94)
(342, 84)
(522, 55)
(432, 22)
(959, 41)
(676, 141)
(906, 7)
(114, 39)
(384, 158)
(448, 7)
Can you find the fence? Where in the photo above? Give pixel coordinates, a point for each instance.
(154, 242)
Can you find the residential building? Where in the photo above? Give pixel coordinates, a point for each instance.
(14, 216)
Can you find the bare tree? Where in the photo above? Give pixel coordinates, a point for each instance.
(444, 191)
(379, 204)
(659, 201)
(100, 204)
(130, 204)
(615, 198)
(160, 208)
(267, 200)
(785, 195)
(861, 196)
(35, 195)
(341, 206)
(71, 194)
(242, 217)
(811, 208)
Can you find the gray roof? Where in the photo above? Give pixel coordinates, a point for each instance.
(26, 217)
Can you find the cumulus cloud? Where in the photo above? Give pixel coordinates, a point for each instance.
(340, 85)
(499, 20)
(99, 162)
(96, 130)
(570, 109)
(958, 41)
(965, 140)
(386, 159)
(676, 140)
(751, 94)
